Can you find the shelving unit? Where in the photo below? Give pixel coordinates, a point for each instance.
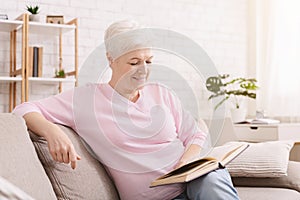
(21, 74)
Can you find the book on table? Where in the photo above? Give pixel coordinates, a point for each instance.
(259, 121)
(219, 157)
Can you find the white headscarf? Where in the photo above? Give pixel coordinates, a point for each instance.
(125, 36)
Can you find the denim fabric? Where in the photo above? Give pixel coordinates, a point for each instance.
(216, 185)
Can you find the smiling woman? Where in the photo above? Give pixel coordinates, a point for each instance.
(138, 131)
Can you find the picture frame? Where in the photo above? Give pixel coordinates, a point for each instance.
(55, 19)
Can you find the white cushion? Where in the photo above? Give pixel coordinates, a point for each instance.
(265, 159)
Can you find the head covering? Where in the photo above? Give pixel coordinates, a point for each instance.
(124, 36)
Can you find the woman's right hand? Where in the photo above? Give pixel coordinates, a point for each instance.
(59, 144)
(61, 147)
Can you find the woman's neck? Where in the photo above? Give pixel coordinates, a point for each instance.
(132, 96)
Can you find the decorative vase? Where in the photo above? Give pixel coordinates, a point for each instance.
(238, 114)
(34, 18)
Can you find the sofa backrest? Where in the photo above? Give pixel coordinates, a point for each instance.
(221, 130)
(88, 181)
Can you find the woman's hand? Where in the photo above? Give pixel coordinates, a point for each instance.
(189, 155)
(59, 144)
(180, 163)
(61, 147)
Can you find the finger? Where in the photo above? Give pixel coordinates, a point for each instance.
(59, 157)
(73, 158)
(65, 157)
(53, 155)
(52, 152)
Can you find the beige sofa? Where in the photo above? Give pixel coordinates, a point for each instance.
(28, 166)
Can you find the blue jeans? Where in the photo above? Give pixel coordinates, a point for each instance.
(216, 185)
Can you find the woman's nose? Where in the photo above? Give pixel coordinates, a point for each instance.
(143, 68)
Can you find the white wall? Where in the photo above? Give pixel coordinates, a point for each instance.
(219, 26)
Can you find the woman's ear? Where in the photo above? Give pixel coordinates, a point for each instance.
(109, 58)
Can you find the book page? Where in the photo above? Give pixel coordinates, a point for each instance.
(221, 152)
(219, 156)
(259, 121)
(190, 167)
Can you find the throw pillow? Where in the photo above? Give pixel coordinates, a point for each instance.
(291, 181)
(88, 181)
(265, 159)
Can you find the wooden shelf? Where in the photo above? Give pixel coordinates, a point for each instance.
(51, 80)
(36, 27)
(9, 25)
(10, 79)
(49, 29)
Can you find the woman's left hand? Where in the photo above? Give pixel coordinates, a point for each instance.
(189, 155)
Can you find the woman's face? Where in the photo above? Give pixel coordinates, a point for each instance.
(131, 70)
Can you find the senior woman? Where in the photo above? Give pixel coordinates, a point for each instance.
(133, 152)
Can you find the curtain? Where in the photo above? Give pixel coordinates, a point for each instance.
(278, 58)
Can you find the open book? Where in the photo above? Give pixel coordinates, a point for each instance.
(259, 121)
(217, 158)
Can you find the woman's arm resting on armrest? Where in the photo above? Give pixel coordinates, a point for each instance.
(60, 146)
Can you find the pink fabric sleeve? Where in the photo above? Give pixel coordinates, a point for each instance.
(57, 109)
(187, 128)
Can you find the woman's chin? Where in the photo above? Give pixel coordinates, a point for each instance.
(139, 82)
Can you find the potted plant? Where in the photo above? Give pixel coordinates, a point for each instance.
(34, 10)
(60, 73)
(222, 85)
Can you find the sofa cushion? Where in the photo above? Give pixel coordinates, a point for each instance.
(291, 181)
(19, 162)
(260, 193)
(265, 159)
(88, 181)
(9, 191)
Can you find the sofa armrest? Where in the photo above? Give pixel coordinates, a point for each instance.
(291, 181)
(19, 162)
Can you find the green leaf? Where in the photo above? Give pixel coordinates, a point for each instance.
(214, 84)
(219, 85)
(33, 9)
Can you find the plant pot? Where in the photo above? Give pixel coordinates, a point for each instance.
(34, 18)
(238, 114)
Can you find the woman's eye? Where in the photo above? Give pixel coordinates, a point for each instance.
(137, 63)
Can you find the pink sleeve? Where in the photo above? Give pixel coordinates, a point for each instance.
(187, 128)
(57, 109)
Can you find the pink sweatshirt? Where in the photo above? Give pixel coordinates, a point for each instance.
(137, 142)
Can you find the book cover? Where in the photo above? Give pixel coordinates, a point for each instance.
(35, 62)
(40, 61)
(30, 61)
(219, 157)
